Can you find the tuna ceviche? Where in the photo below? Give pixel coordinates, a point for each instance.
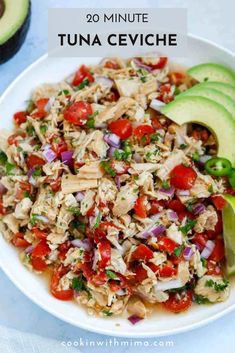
(120, 205)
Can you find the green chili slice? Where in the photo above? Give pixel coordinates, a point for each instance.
(218, 166)
(231, 179)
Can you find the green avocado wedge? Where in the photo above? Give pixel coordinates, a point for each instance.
(225, 88)
(228, 215)
(206, 112)
(212, 94)
(212, 72)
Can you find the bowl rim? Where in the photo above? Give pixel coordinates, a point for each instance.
(88, 326)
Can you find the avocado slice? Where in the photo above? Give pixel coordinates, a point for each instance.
(225, 88)
(212, 72)
(212, 94)
(204, 111)
(14, 23)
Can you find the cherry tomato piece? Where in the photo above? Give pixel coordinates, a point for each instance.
(20, 117)
(60, 294)
(182, 177)
(121, 128)
(19, 241)
(34, 161)
(167, 244)
(78, 113)
(178, 302)
(142, 252)
(140, 207)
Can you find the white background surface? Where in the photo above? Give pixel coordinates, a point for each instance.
(212, 19)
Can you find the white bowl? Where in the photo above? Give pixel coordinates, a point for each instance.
(162, 323)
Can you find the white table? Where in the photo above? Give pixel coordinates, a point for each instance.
(212, 19)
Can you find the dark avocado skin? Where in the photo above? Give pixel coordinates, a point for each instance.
(11, 47)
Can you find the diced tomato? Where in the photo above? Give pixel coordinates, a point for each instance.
(39, 264)
(200, 240)
(140, 207)
(104, 248)
(60, 294)
(200, 135)
(183, 214)
(167, 271)
(41, 105)
(176, 205)
(160, 64)
(78, 113)
(2, 209)
(24, 189)
(218, 252)
(167, 244)
(121, 128)
(178, 302)
(176, 78)
(218, 201)
(182, 177)
(111, 64)
(19, 241)
(34, 161)
(140, 273)
(58, 145)
(56, 185)
(156, 124)
(155, 207)
(63, 249)
(87, 271)
(142, 133)
(114, 286)
(41, 249)
(213, 268)
(142, 252)
(165, 88)
(82, 73)
(112, 96)
(99, 279)
(14, 139)
(40, 234)
(20, 117)
(165, 93)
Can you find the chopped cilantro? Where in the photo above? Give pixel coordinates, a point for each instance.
(183, 146)
(106, 165)
(26, 194)
(195, 156)
(178, 250)
(143, 79)
(210, 189)
(97, 221)
(199, 299)
(82, 85)
(91, 120)
(121, 155)
(218, 287)
(30, 130)
(74, 210)
(78, 284)
(204, 262)
(107, 312)
(76, 224)
(3, 158)
(10, 168)
(37, 171)
(30, 106)
(34, 219)
(36, 147)
(43, 129)
(188, 226)
(166, 184)
(64, 91)
(111, 274)
(155, 137)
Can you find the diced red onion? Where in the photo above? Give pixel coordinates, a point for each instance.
(29, 249)
(166, 285)
(30, 172)
(104, 81)
(111, 151)
(32, 181)
(49, 155)
(137, 157)
(118, 182)
(42, 219)
(79, 196)
(207, 251)
(198, 208)
(172, 215)
(188, 253)
(169, 192)
(3, 190)
(113, 140)
(85, 244)
(134, 319)
(67, 158)
(95, 259)
(156, 216)
(46, 147)
(157, 230)
(157, 104)
(140, 65)
(183, 192)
